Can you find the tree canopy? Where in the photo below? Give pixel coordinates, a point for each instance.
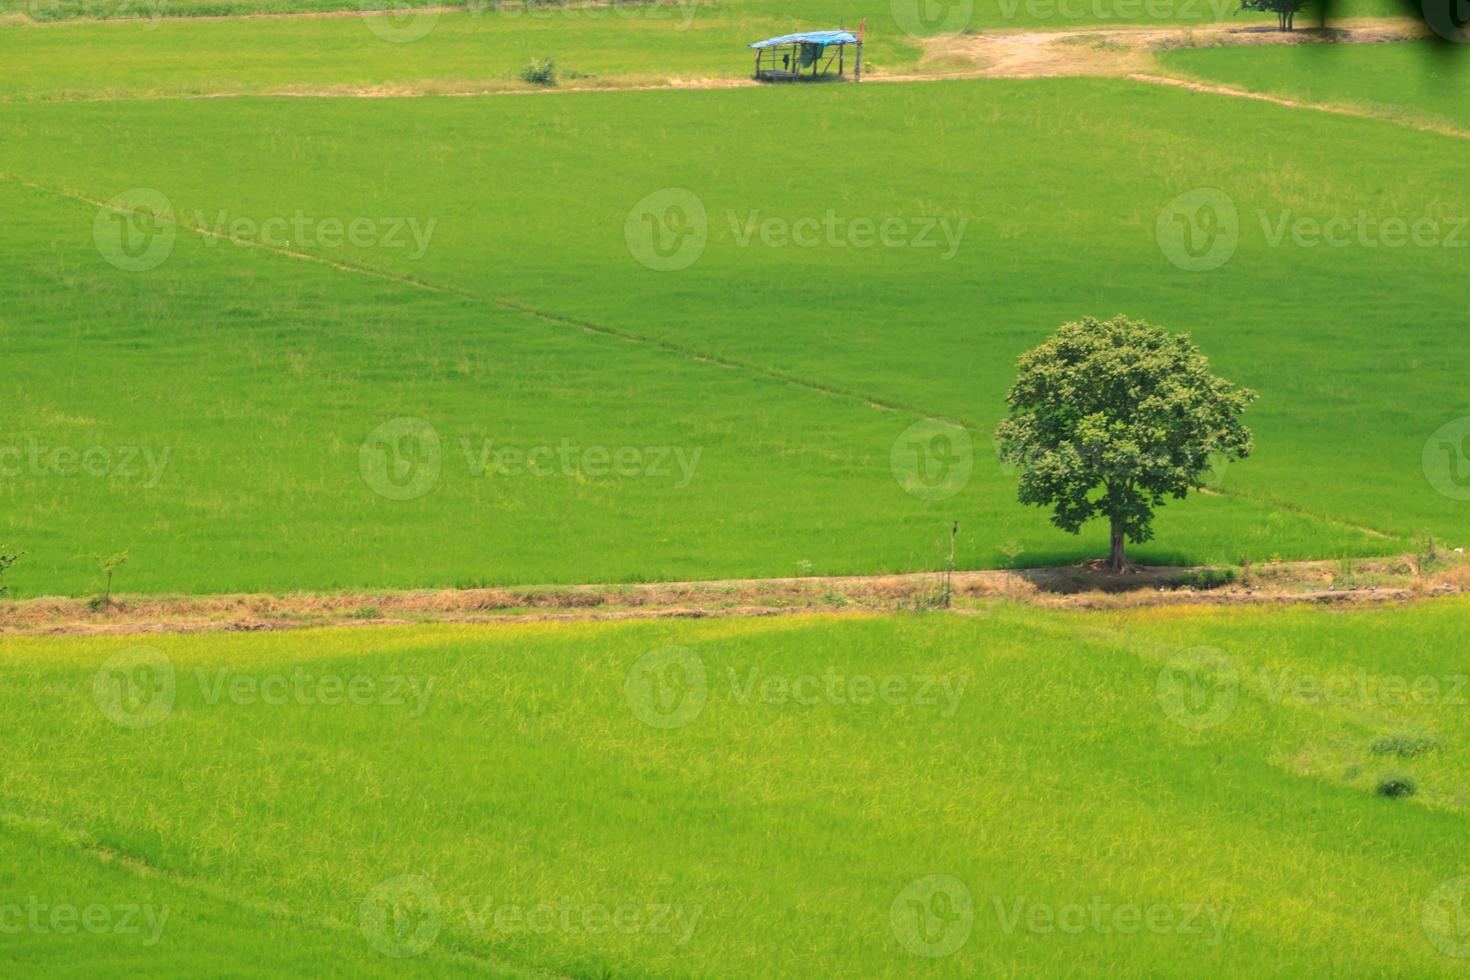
(1110, 418)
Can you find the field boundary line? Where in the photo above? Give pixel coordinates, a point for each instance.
(1325, 107)
(1273, 502)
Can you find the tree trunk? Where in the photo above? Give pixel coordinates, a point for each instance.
(1116, 559)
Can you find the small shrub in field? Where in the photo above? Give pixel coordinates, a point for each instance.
(1428, 555)
(540, 72)
(1396, 785)
(1204, 579)
(1405, 745)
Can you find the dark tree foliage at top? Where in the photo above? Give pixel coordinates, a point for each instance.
(1285, 10)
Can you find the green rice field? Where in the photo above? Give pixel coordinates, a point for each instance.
(501, 317)
(325, 319)
(1018, 794)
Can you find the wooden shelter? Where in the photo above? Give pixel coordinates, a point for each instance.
(808, 56)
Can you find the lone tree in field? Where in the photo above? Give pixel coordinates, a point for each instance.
(1108, 418)
(1285, 10)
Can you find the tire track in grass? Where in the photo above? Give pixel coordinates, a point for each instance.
(557, 319)
(1329, 108)
(85, 844)
(667, 346)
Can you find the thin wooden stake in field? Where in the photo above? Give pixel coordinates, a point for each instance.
(954, 532)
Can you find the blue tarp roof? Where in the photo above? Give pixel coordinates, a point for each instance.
(808, 37)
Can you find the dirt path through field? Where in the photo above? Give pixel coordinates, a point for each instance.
(1071, 587)
(1112, 51)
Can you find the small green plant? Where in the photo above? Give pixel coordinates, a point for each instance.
(7, 559)
(1012, 550)
(925, 600)
(1396, 785)
(540, 72)
(367, 612)
(942, 595)
(1346, 576)
(805, 567)
(107, 566)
